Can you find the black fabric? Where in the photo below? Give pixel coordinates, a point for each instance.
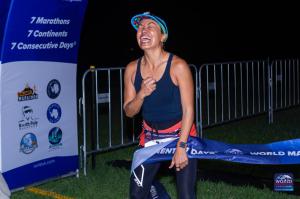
(185, 180)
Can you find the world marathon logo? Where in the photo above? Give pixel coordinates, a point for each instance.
(55, 137)
(28, 143)
(53, 89)
(54, 113)
(283, 182)
(27, 93)
(28, 121)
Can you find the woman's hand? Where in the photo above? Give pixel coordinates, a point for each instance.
(180, 159)
(147, 87)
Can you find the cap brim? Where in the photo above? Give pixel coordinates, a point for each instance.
(136, 20)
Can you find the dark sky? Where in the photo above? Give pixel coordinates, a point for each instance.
(198, 32)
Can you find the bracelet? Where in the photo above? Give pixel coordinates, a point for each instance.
(182, 144)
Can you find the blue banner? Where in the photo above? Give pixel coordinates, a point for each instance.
(37, 171)
(283, 152)
(4, 7)
(43, 30)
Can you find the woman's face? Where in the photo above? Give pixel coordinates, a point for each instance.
(149, 34)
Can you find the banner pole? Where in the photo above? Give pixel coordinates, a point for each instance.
(93, 116)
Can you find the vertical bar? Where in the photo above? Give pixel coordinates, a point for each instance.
(289, 82)
(298, 78)
(247, 71)
(264, 87)
(97, 116)
(196, 91)
(121, 106)
(258, 85)
(109, 108)
(276, 80)
(294, 80)
(281, 85)
(253, 104)
(84, 124)
(241, 74)
(215, 81)
(222, 94)
(92, 122)
(270, 93)
(285, 83)
(228, 90)
(200, 101)
(234, 90)
(207, 88)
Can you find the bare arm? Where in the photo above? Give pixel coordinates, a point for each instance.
(186, 86)
(184, 80)
(133, 101)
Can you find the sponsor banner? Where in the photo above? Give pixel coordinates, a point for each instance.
(47, 30)
(40, 112)
(283, 152)
(283, 182)
(38, 120)
(4, 8)
(40, 170)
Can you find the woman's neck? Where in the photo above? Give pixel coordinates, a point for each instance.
(154, 59)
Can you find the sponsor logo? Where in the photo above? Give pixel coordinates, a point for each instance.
(53, 89)
(28, 143)
(234, 152)
(54, 113)
(54, 137)
(283, 182)
(27, 94)
(28, 120)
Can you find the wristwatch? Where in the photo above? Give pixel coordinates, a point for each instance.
(182, 144)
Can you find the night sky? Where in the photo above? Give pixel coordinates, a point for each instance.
(198, 32)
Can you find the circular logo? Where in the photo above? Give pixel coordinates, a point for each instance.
(54, 113)
(53, 89)
(28, 143)
(55, 135)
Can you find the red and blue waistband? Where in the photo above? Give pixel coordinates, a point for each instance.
(149, 133)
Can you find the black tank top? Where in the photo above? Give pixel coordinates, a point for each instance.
(162, 108)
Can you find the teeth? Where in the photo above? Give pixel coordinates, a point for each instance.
(145, 37)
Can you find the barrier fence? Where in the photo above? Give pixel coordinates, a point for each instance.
(224, 92)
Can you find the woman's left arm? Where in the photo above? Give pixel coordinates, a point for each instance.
(183, 78)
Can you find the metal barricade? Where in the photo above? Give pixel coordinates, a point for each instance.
(286, 83)
(235, 90)
(103, 104)
(231, 91)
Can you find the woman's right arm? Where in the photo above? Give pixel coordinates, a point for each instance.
(133, 100)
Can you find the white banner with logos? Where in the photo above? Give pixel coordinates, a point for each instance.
(39, 43)
(39, 112)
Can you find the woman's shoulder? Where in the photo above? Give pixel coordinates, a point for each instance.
(131, 66)
(178, 62)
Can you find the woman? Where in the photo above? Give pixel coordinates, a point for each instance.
(161, 85)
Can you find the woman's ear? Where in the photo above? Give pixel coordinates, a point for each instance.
(164, 38)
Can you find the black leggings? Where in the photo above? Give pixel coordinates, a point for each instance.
(142, 177)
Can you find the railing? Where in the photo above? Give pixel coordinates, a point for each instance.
(224, 92)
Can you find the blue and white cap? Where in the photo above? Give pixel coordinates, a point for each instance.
(136, 20)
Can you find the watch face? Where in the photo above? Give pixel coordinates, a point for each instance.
(182, 144)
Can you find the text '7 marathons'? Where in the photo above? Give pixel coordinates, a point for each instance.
(54, 21)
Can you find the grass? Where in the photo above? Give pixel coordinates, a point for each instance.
(217, 179)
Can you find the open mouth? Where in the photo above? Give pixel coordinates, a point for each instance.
(145, 39)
